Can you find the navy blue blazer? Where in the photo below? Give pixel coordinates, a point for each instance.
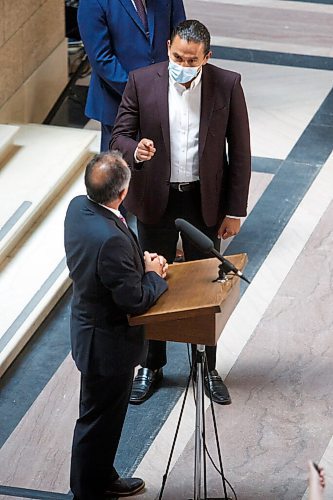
(109, 282)
(116, 43)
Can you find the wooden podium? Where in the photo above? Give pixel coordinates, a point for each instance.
(194, 309)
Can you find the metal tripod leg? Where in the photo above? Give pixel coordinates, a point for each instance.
(199, 457)
(198, 422)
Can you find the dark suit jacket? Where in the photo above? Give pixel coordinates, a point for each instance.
(107, 268)
(116, 43)
(224, 176)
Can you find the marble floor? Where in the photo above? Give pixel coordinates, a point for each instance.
(276, 351)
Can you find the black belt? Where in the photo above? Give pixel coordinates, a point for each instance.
(184, 186)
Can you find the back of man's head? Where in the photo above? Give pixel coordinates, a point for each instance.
(106, 176)
(192, 30)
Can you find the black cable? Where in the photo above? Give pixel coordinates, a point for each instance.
(192, 369)
(219, 472)
(165, 475)
(74, 98)
(202, 367)
(216, 435)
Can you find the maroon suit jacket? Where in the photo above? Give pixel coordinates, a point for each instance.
(224, 143)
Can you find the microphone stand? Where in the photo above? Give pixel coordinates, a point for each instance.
(200, 434)
(227, 267)
(222, 277)
(206, 246)
(197, 375)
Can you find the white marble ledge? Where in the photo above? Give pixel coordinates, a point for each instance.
(7, 135)
(46, 155)
(96, 144)
(32, 263)
(29, 268)
(43, 165)
(33, 320)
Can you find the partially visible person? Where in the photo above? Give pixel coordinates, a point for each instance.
(111, 279)
(316, 480)
(120, 36)
(183, 127)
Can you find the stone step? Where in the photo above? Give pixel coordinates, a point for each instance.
(36, 184)
(35, 276)
(44, 160)
(7, 135)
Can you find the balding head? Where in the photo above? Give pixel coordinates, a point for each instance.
(107, 176)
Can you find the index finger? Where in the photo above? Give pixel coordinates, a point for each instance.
(147, 142)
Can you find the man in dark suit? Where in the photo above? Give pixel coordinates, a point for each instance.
(183, 125)
(120, 36)
(111, 279)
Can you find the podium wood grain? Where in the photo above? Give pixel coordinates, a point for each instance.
(194, 309)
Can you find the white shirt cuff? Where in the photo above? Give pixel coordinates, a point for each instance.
(135, 157)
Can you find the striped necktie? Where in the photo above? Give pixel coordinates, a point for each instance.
(142, 13)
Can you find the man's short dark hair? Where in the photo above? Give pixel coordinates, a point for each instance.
(193, 31)
(106, 176)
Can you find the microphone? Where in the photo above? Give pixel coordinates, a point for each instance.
(205, 245)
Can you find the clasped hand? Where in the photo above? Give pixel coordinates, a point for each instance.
(156, 263)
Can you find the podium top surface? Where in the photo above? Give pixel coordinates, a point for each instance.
(192, 291)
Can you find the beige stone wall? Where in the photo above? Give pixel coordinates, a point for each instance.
(33, 58)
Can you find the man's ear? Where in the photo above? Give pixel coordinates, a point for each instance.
(122, 194)
(207, 57)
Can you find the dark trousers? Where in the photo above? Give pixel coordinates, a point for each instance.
(106, 135)
(103, 406)
(162, 238)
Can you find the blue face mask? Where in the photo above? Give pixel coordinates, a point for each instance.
(182, 74)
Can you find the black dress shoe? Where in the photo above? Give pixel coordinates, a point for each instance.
(144, 384)
(219, 390)
(125, 487)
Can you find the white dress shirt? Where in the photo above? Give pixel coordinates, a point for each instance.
(113, 210)
(184, 119)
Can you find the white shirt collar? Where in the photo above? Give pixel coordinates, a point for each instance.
(114, 210)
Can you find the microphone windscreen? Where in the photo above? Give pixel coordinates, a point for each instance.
(196, 237)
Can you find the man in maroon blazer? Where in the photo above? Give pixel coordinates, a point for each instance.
(183, 127)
